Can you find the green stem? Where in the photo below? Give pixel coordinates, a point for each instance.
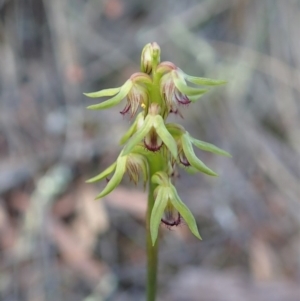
(151, 250)
(156, 163)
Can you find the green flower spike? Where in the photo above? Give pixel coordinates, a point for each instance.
(168, 203)
(134, 164)
(154, 132)
(153, 148)
(134, 89)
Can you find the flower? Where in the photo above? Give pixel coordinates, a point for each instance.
(174, 89)
(153, 131)
(168, 204)
(171, 95)
(134, 89)
(134, 164)
(135, 97)
(186, 154)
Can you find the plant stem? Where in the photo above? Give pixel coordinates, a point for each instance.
(151, 251)
(156, 163)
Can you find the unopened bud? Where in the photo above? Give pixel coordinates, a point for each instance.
(150, 54)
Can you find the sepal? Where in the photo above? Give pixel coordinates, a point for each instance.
(161, 201)
(185, 213)
(103, 174)
(133, 164)
(114, 100)
(202, 81)
(116, 178)
(102, 93)
(192, 158)
(208, 147)
(184, 88)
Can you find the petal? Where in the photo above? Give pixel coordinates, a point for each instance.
(103, 174)
(183, 159)
(116, 178)
(185, 212)
(181, 98)
(126, 109)
(165, 136)
(160, 204)
(139, 135)
(209, 147)
(114, 100)
(192, 158)
(102, 93)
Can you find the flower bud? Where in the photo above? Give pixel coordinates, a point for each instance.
(150, 54)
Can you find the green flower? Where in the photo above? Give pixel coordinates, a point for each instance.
(134, 89)
(168, 203)
(134, 164)
(186, 154)
(153, 132)
(174, 89)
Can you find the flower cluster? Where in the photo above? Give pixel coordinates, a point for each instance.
(152, 147)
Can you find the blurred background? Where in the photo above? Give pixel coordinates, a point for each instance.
(56, 242)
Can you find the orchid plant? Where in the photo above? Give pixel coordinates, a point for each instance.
(153, 148)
